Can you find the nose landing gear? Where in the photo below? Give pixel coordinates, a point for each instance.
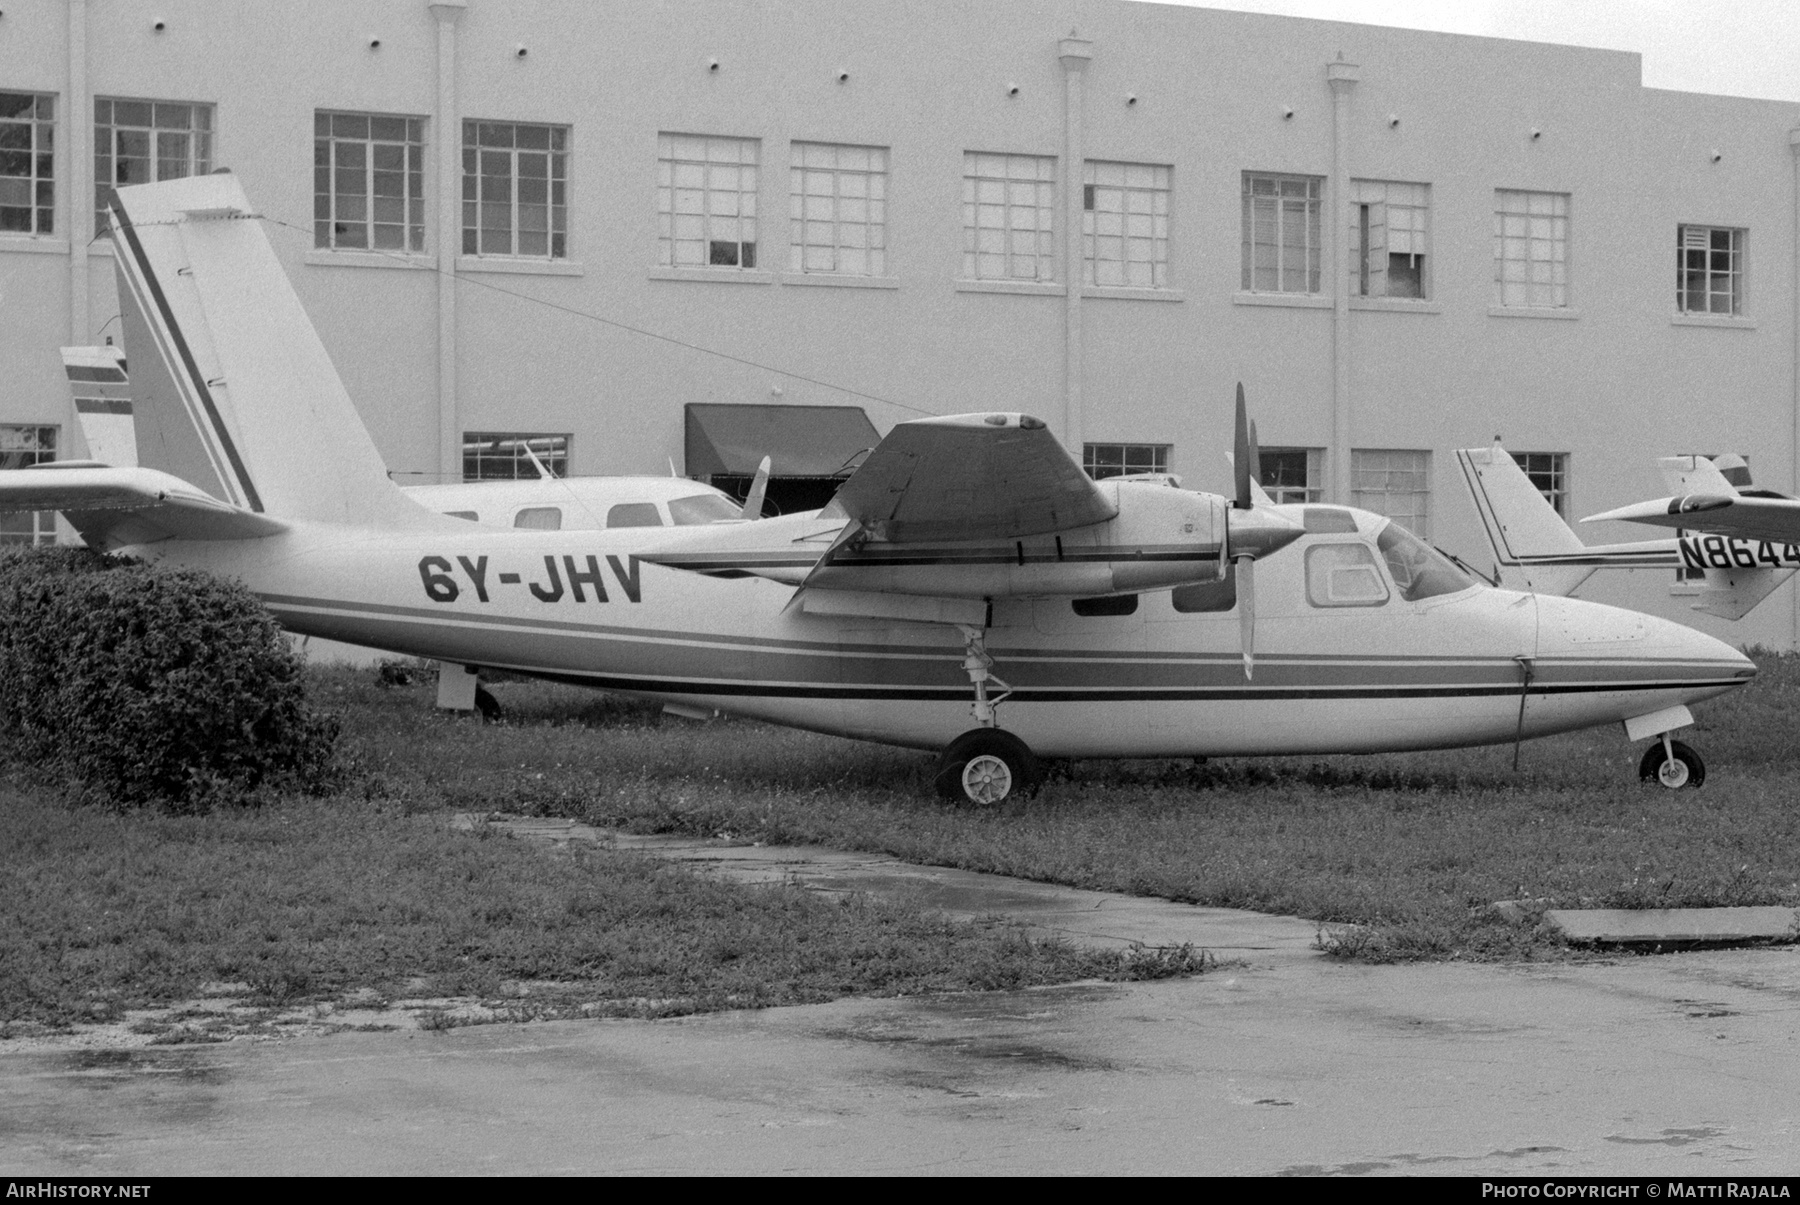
(1672, 764)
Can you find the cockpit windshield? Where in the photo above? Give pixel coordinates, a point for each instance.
(1420, 571)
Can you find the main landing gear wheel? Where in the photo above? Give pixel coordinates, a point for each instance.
(1683, 769)
(986, 766)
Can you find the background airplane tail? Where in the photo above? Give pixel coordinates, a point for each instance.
(1533, 547)
(232, 390)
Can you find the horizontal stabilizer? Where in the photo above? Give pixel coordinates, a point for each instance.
(116, 507)
(1734, 593)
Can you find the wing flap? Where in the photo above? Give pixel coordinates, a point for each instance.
(116, 507)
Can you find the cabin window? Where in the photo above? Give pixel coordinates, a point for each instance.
(470, 515)
(1328, 520)
(701, 508)
(1343, 575)
(539, 518)
(1420, 571)
(706, 201)
(634, 514)
(1207, 596)
(1111, 604)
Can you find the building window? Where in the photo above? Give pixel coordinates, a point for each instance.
(1281, 233)
(705, 201)
(1531, 249)
(1388, 238)
(1125, 225)
(1393, 483)
(1549, 471)
(1009, 212)
(1709, 270)
(143, 141)
(368, 182)
(27, 163)
(837, 209)
(20, 448)
(1292, 474)
(515, 190)
(513, 455)
(1117, 460)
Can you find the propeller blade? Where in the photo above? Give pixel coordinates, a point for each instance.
(1246, 599)
(1255, 456)
(1240, 463)
(759, 485)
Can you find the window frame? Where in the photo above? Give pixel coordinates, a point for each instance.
(1156, 455)
(669, 189)
(556, 459)
(805, 165)
(1362, 497)
(1147, 227)
(201, 130)
(1517, 230)
(40, 156)
(1312, 250)
(1366, 196)
(1738, 257)
(1312, 490)
(326, 218)
(41, 523)
(980, 208)
(1557, 473)
(475, 204)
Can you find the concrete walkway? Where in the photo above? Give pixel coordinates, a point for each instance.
(1283, 1063)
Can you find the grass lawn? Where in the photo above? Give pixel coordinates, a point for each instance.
(312, 899)
(1413, 847)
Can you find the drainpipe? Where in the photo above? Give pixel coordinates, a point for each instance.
(1341, 77)
(446, 145)
(1075, 53)
(1794, 302)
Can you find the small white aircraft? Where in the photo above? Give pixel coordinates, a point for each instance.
(968, 572)
(1738, 568)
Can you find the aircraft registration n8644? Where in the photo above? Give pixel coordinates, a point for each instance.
(969, 590)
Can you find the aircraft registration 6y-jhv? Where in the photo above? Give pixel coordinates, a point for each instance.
(969, 590)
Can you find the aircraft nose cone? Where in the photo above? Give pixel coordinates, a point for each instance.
(1259, 532)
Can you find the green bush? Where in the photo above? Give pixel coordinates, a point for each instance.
(148, 684)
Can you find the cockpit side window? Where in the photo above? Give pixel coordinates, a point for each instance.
(1420, 571)
(1343, 574)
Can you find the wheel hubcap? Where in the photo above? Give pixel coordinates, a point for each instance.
(987, 779)
(1673, 774)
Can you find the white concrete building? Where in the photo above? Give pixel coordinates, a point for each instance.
(572, 219)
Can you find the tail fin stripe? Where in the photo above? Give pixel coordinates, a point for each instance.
(195, 378)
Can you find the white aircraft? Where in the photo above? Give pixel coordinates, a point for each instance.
(1535, 549)
(969, 590)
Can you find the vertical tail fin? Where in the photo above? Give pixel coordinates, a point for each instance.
(233, 390)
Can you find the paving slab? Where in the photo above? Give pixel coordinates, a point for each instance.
(1097, 918)
(1673, 925)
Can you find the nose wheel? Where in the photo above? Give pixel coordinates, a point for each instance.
(1672, 764)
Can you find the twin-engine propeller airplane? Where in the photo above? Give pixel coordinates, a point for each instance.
(967, 568)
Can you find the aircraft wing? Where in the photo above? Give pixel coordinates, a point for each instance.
(971, 477)
(115, 507)
(1776, 520)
